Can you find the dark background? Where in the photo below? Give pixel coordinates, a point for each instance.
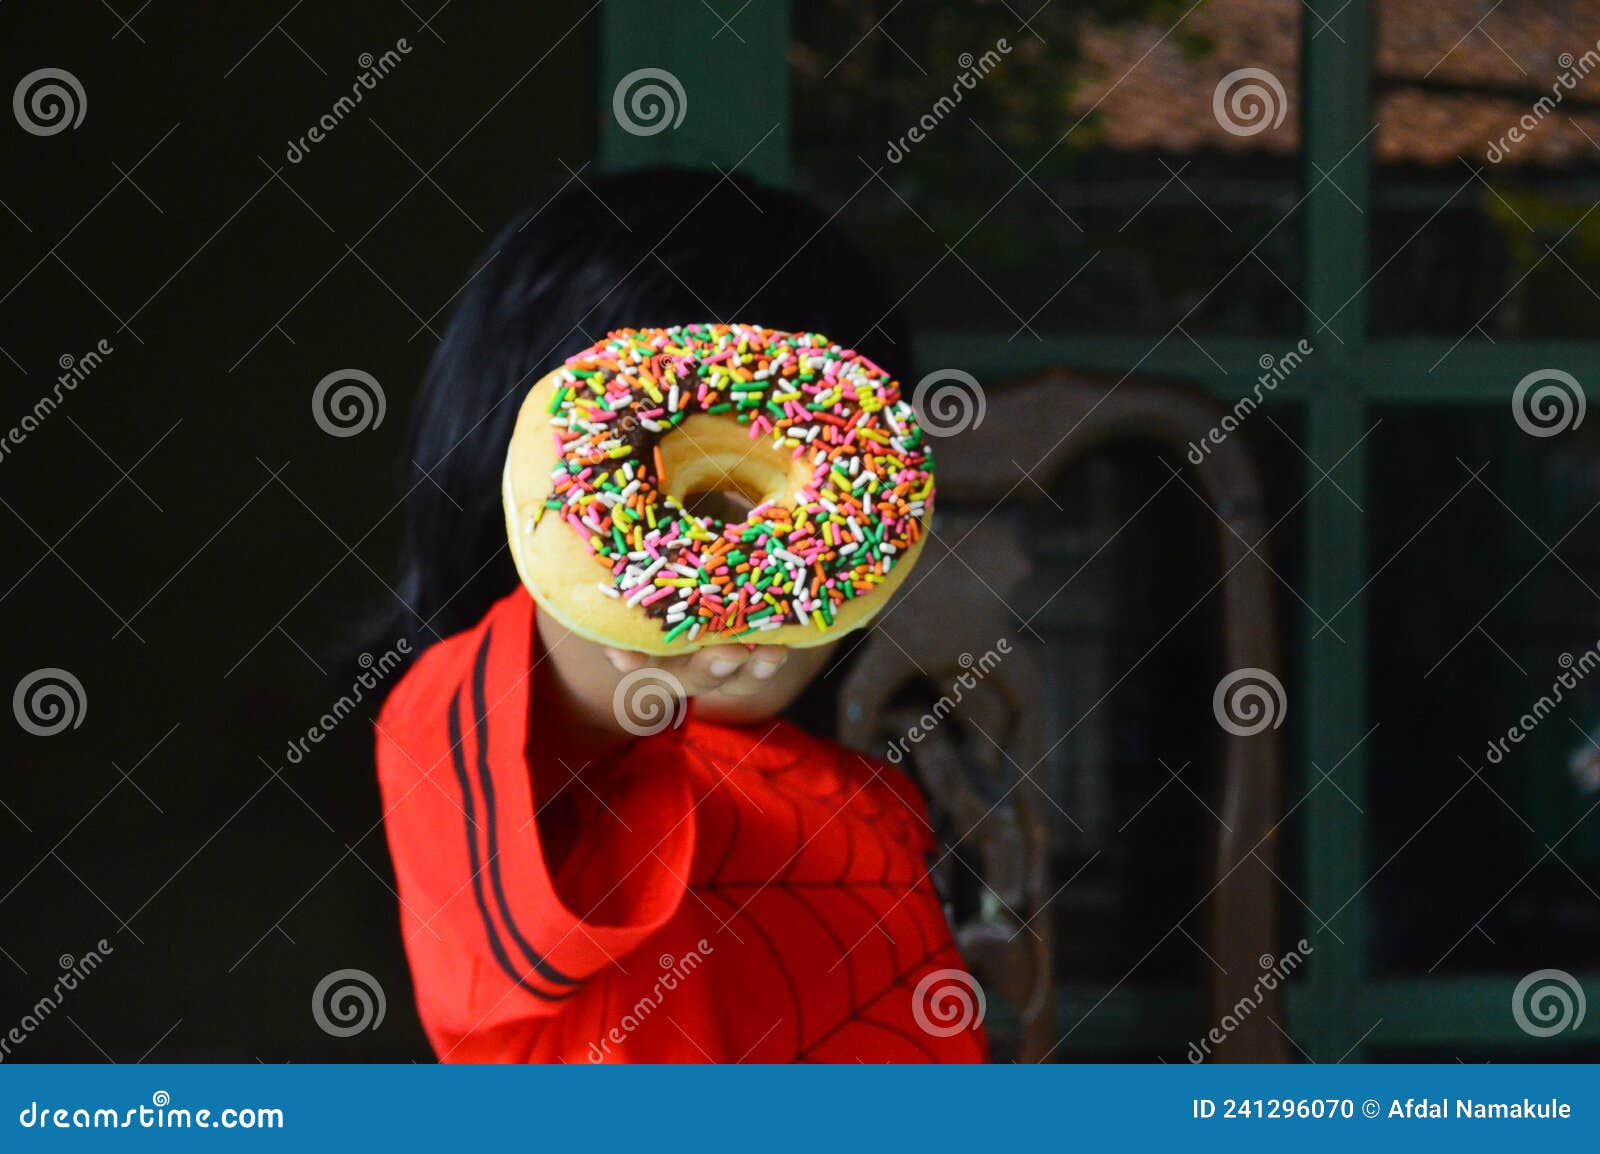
(202, 594)
(183, 537)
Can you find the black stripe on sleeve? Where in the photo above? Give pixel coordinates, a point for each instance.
(481, 726)
(469, 807)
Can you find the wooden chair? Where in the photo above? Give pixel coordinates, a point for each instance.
(956, 610)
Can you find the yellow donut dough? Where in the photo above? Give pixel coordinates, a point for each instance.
(652, 419)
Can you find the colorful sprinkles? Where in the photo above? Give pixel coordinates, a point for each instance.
(787, 562)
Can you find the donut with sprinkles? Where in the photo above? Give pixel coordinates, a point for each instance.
(820, 481)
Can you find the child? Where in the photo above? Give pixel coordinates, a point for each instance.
(725, 887)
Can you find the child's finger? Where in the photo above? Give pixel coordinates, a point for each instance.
(766, 661)
(709, 668)
(756, 673)
(741, 685)
(625, 660)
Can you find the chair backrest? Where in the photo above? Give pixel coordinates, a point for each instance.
(947, 647)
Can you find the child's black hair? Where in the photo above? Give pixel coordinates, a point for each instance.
(647, 248)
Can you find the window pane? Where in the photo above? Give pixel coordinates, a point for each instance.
(1073, 174)
(1487, 150)
(1485, 691)
(1127, 637)
(1119, 608)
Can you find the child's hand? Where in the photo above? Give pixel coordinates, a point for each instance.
(734, 684)
(729, 670)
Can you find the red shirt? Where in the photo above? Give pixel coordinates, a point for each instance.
(714, 894)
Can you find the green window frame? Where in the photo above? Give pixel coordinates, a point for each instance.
(734, 70)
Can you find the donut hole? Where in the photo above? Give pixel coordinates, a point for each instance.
(726, 505)
(717, 471)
